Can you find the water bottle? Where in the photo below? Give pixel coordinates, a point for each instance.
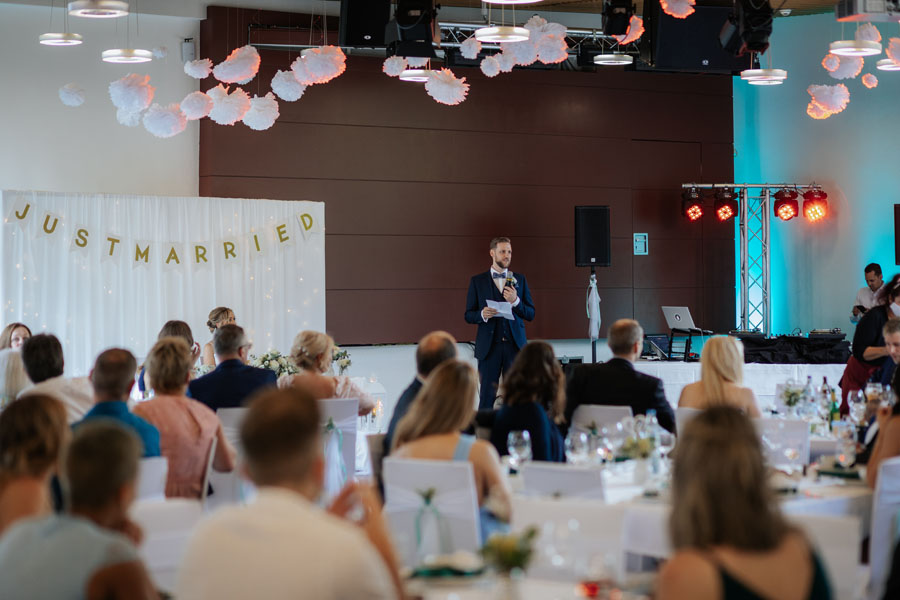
(653, 436)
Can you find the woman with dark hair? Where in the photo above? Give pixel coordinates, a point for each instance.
(730, 539)
(534, 397)
(14, 335)
(868, 348)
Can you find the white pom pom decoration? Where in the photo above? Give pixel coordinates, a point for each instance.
(868, 33)
(831, 62)
(286, 86)
(160, 52)
(470, 48)
(71, 94)
(196, 105)
(539, 26)
(505, 61)
(393, 66)
(198, 69)
(680, 9)
(446, 88)
(323, 64)
(830, 99)
(552, 49)
(132, 93)
(523, 53)
(417, 62)
(816, 112)
(634, 32)
(129, 118)
(164, 121)
(227, 108)
(241, 66)
(893, 50)
(849, 68)
(870, 81)
(263, 112)
(490, 66)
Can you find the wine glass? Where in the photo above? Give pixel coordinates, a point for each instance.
(857, 400)
(519, 445)
(577, 447)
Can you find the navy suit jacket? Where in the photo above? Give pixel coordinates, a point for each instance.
(229, 384)
(482, 289)
(400, 410)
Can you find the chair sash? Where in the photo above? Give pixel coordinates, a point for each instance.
(335, 466)
(432, 509)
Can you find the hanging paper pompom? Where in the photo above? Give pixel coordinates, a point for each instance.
(196, 105)
(831, 98)
(227, 108)
(539, 26)
(164, 121)
(446, 88)
(816, 112)
(417, 62)
(323, 64)
(831, 62)
(286, 86)
(393, 66)
(893, 50)
(868, 33)
(240, 67)
(523, 53)
(132, 93)
(470, 48)
(71, 94)
(129, 118)
(870, 81)
(680, 9)
(552, 49)
(849, 67)
(263, 112)
(198, 69)
(505, 61)
(160, 52)
(490, 66)
(634, 32)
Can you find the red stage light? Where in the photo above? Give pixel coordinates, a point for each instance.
(726, 206)
(692, 204)
(786, 206)
(815, 206)
(693, 211)
(724, 212)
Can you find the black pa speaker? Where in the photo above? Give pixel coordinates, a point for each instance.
(362, 23)
(591, 236)
(688, 45)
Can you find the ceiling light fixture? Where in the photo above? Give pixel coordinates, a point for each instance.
(786, 206)
(764, 76)
(887, 64)
(60, 39)
(501, 34)
(611, 59)
(126, 55)
(855, 48)
(511, 1)
(415, 75)
(98, 9)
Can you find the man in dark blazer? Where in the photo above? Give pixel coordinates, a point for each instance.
(616, 382)
(232, 381)
(433, 349)
(498, 339)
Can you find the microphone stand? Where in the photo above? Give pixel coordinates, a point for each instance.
(593, 281)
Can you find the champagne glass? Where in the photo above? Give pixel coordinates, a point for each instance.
(857, 400)
(577, 447)
(519, 445)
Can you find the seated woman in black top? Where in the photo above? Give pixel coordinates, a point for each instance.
(869, 351)
(533, 399)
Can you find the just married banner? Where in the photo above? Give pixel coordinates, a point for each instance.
(104, 270)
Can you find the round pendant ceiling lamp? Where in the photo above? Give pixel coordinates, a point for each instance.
(415, 75)
(126, 55)
(98, 9)
(613, 59)
(887, 64)
(60, 39)
(511, 1)
(764, 76)
(500, 34)
(855, 48)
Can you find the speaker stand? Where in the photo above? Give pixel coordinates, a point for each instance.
(593, 282)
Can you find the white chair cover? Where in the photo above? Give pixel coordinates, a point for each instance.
(683, 416)
(152, 478)
(837, 540)
(785, 441)
(599, 415)
(884, 526)
(231, 419)
(339, 423)
(229, 488)
(431, 507)
(562, 481)
(571, 529)
(167, 526)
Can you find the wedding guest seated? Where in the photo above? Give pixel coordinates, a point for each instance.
(887, 439)
(113, 378)
(13, 378)
(432, 350)
(14, 335)
(88, 552)
(431, 430)
(721, 378)
(313, 353)
(616, 382)
(42, 356)
(232, 381)
(178, 329)
(891, 334)
(33, 431)
(219, 316)
(283, 546)
(186, 427)
(730, 539)
(534, 396)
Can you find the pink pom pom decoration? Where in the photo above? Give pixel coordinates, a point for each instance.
(470, 48)
(241, 66)
(680, 9)
(490, 66)
(868, 33)
(816, 112)
(870, 81)
(446, 88)
(634, 32)
(196, 105)
(164, 121)
(849, 68)
(394, 66)
(831, 62)
(830, 98)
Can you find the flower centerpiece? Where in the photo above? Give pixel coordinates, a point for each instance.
(341, 359)
(637, 447)
(274, 360)
(505, 553)
(791, 396)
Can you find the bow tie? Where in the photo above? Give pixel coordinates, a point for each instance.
(497, 275)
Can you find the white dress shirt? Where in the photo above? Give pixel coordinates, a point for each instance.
(500, 283)
(280, 547)
(75, 393)
(865, 297)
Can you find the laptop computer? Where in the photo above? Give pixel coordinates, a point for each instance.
(678, 317)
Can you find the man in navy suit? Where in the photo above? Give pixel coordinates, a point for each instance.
(232, 381)
(498, 339)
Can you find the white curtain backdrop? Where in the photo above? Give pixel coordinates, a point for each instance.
(92, 302)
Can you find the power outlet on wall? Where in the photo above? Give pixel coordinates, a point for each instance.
(641, 245)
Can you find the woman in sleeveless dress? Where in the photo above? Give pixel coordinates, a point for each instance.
(221, 315)
(731, 541)
(721, 378)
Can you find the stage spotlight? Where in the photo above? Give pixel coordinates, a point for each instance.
(748, 28)
(726, 206)
(411, 32)
(815, 205)
(616, 16)
(692, 204)
(786, 206)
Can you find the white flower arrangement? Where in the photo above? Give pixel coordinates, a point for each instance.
(341, 359)
(275, 361)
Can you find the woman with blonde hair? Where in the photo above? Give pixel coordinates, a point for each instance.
(313, 352)
(721, 378)
(731, 541)
(13, 378)
(221, 315)
(14, 335)
(431, 430)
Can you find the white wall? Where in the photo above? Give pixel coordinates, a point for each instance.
(45, 145)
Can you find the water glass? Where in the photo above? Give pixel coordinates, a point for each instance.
(846, 451)
(577, 447)
(519, 445)
(857, 401)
